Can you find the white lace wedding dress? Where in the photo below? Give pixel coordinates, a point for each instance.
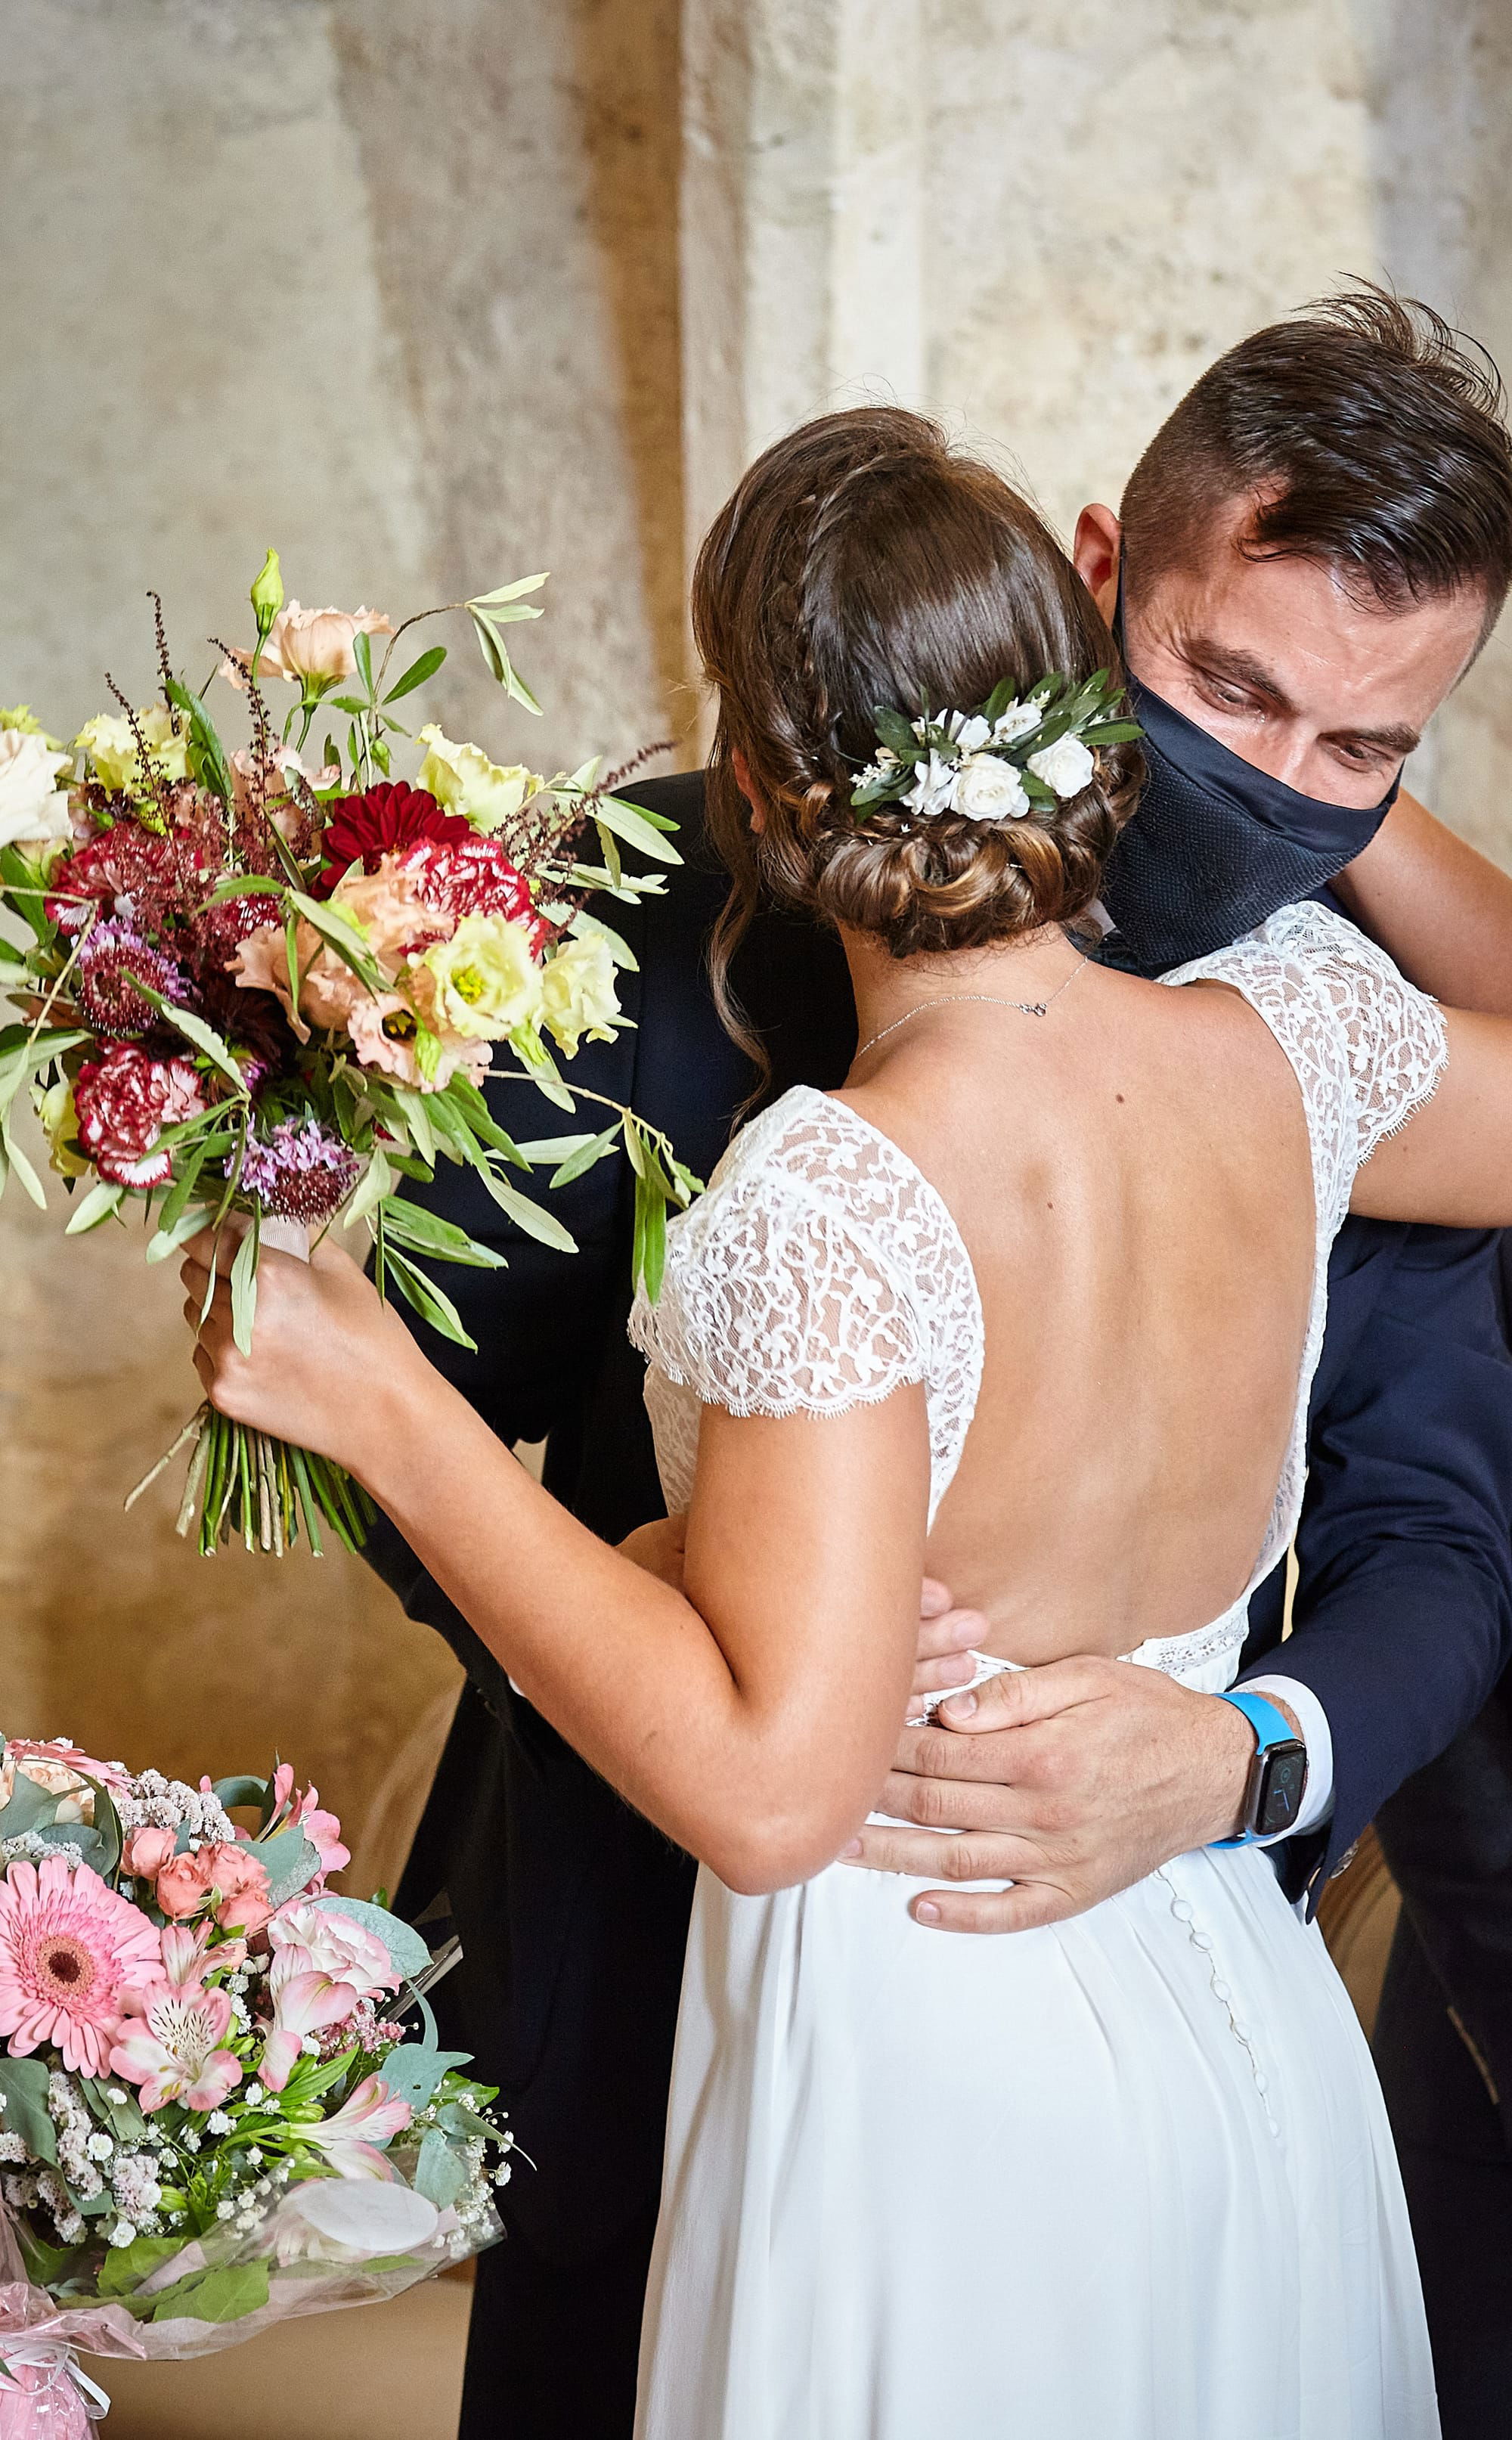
(1128, 2178)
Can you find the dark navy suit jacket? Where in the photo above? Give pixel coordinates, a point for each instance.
(572, 1909)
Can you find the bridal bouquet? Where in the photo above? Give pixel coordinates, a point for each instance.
(259, 989)
(211, 2115)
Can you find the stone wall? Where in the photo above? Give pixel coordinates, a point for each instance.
(436, 297)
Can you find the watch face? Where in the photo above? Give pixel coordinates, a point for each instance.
(1283, 1777)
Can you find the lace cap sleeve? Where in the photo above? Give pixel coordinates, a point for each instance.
(1368, 1047)
(780, 1299)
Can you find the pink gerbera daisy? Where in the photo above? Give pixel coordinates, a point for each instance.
(68, 1948)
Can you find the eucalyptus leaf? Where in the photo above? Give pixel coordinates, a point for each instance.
(234, 1794)
(290, 1862)
(24, 2090)
(30, 1807)
(414, 2071)
(440, 2176)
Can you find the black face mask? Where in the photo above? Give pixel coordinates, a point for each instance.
(1215, 846)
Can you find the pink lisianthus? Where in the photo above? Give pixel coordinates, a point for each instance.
(336, 1944)
(348, 2139)
(385, 1034)
(304, 2001)
(312, 648)
(174, 2052)
(124, 1103)
(69, 1947)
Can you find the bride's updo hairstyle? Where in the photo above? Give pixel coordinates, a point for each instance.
(863, 562)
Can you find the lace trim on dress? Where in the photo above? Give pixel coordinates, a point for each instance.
(822, 1271)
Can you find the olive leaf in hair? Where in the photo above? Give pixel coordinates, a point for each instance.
(1013, 756)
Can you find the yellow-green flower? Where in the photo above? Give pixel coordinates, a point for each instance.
(578, 994)
(22, 717)
(463, 780)
(60, 1125)
(484, 980)
(108, 741)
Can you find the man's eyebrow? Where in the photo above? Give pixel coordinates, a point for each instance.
(1242, 669)
(1397, 739)
(1224, 661)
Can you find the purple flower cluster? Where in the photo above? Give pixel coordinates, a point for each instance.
(113, 960)
(300, 1172)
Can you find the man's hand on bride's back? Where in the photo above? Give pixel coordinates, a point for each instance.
(1071, 1781)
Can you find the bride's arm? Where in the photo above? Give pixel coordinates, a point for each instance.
(1440, 909)
(1452, 1161)
(753, 1716)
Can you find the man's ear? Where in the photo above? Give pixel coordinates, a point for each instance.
(1095, 551)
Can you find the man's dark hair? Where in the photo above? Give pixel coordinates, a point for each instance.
(1366, 433)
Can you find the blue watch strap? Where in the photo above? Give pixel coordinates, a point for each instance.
(1271, 1728)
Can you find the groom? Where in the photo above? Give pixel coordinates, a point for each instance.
(1313, 549)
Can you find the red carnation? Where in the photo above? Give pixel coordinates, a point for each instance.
(147, 877)
(473, 876)
(382, 821)
(124, 1102)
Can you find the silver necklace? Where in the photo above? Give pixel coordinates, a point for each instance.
(979, 1000)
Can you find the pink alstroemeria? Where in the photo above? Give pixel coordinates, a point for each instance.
(304, 2001)
(371, 2116)
(174, 2054)
(322, 1830)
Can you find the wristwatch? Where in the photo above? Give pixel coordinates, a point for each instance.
(1278, 1774)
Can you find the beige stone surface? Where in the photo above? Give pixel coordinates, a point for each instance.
(436, 295)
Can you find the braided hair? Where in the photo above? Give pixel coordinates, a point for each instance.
(863, 562)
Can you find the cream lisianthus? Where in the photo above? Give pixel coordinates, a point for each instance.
(60, 1125)
(32, 805)
(463, 780)
(578, 994)
(483, 981)
(112, 749)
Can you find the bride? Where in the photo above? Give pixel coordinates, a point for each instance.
(1033, 1303)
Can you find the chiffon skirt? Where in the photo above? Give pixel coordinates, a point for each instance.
(1128, 2178)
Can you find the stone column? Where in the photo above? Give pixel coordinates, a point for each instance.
(803, 199)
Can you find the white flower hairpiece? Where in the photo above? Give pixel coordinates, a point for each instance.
(1013, 757)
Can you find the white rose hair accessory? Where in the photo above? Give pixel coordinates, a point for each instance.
(1015, 757)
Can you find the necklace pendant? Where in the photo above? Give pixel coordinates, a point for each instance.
(1033, 1008)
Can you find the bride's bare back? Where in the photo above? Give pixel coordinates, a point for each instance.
(1132, 1177)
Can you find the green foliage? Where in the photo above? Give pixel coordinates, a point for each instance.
(24, 2088)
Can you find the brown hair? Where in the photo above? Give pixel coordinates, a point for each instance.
(863, 562)
(1367, 435)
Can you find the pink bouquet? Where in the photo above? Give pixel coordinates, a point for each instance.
(257, 995)
(211, 2114)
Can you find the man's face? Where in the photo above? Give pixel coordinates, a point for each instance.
(1273, 658)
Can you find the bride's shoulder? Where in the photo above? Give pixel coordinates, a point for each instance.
(1358, 1033)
